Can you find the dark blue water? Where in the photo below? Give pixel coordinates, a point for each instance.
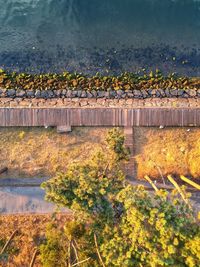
(107, 36)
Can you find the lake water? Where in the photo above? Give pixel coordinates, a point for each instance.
(107, 36)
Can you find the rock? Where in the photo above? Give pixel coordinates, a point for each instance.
(89, 95)
(101, 94)
(94, 93)
(160, 93)
(3, 92)
(112, 94)
(74, 93)
(130, 95)
(64, 92)
(11, 92)
(83, 94)
(57, 93)
(167, 92)
(44, 94)
(174, 92)
(144, 93)
(120, 92)
(192, 92)
(198, 92)
(68, 94)
(30, 93)
(50, 93)
(153, 93)
(37, 93)
(181, 92)
(20, 93)
(79, 93)
(137, 93)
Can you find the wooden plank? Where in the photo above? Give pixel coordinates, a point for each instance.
(99, 117)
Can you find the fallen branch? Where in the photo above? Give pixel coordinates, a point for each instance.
(178, 188)
(195, 185)
(151, 183)
(8, 242)
(98, 253)
(78, 263)
(159, 170)
(34, 257)
(75, 252)
(5, 169)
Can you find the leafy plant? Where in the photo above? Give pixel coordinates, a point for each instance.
(124, 225)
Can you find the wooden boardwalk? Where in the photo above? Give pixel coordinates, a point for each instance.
(99, 117)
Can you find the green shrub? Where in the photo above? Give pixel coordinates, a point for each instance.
(133, 227)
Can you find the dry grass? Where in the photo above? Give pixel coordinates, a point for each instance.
(174, 151)
(31, 232)
(29, 152)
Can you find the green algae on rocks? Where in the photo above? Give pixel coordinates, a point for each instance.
(78, 81)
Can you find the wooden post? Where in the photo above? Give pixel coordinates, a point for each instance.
(129, 143)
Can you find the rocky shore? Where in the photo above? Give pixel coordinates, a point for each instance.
(98, 94)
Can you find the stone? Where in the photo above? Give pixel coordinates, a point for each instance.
(68, 94)
(130, 95)
(120, 92)
(44, 94)
(50, 93)
(192, 92)
(11, 92)
(30, 93)
(37, 93)
(160, 93)
(137, 93)
(61, 129)
(79, 92)
(3, 92)
(64, 92)
(57, 93)
(112, 94)
(20, 93)
(84, 94)
(101, 94)
(153, 93)
(174, 92)
(144, 93)
(167, 92)
(94, 93)
(89, 95)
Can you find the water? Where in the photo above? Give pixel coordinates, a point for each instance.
(107, 36)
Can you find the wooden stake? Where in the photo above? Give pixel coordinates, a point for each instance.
(197, 186)
(151, 183)
(8, 242)
(34, 257)
(98, 253)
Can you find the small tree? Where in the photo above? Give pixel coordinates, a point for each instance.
(125, 225)
(54, 251)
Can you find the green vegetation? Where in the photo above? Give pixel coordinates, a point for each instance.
(75, 81)
(116, 224)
